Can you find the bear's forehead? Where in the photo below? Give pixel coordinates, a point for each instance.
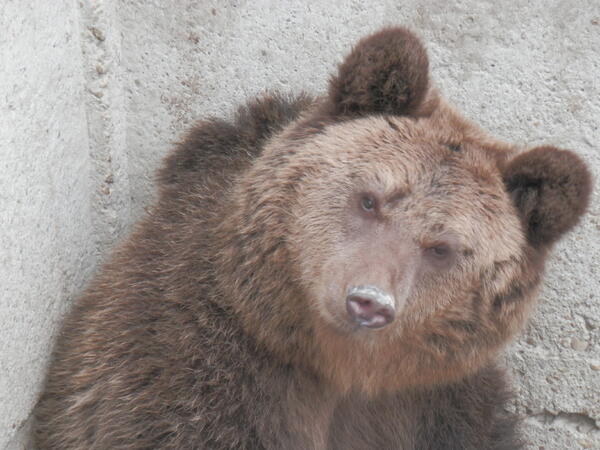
(379, 145)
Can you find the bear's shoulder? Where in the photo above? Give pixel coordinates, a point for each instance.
(219, 146)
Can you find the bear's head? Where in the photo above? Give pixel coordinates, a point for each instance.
(383, 241)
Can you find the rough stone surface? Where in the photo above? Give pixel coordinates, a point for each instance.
(93, 94)
(55, 148)
(46, 231)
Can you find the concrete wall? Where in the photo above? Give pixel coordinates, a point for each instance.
(93, 93)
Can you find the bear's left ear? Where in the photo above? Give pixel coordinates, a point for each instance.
(551, 190)
(387, 72)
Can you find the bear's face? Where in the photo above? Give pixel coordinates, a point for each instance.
(387, 205)
(383, 240)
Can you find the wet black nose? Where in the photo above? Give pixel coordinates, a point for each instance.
(369, 307)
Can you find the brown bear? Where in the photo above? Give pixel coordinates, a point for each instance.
(319, 273)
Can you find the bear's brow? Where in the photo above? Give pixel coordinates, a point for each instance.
(397, 194)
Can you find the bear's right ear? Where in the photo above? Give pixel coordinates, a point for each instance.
(387, 72)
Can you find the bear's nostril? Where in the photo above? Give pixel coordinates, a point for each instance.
(369, 312)
(363, 302)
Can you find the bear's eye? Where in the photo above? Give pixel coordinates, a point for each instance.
(439, 251)
(440, 254)
(453, 147)
(367, 203)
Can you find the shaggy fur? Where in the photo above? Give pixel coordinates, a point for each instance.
(387, 72)
(221, 322)
(551, 189)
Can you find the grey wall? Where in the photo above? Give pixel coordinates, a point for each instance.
(92, 95)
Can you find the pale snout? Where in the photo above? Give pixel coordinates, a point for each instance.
(369, 306)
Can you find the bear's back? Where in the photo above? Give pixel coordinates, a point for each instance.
(132, 345)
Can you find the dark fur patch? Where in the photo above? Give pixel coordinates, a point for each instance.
(551, 189)
(465, 326)
(214, 143)
(514, 294)
(387, 72)
(467, 415)
(457, 410)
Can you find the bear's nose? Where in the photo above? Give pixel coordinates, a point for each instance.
(369, 306)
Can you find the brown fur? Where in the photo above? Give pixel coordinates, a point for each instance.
(387, 72)
(551, 189)
(462, 416)
(220, 323)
